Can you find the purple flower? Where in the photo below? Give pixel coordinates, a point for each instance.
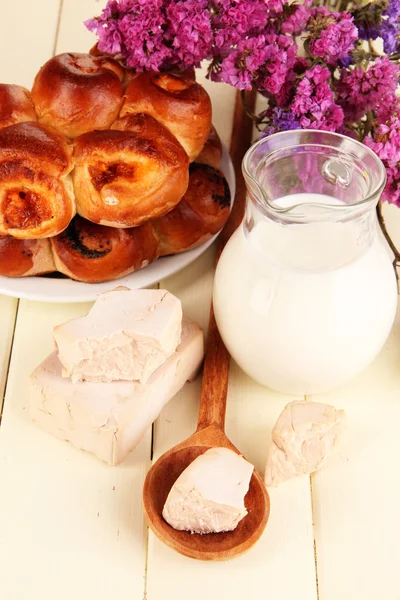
(368, 19)
(380, 19)
(189, 31)
(134, 28)
(332, 34)
(314, 103)
(287, 91)
(142, 31)
(275, 7)
(295, 18)
(264, 60)
(106, 28)
(361, 90)
(233, 20)
(385, 140)
(390, 28)
(391, 193)
(284, 120)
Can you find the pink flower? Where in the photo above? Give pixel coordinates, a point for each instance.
(385, 141)
(264, 60)
(233, 21)
(332, 34)
(360, 90)
(295, 18)
(280, 58)
(275, 6)
(314, 101)
(190, 32)
(287, 91)
(391, 193)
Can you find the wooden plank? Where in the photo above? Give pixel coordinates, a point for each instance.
(287, 544)
(23, 51)
(281, 565)
(73, 35)
(356, 510)
(356, 494)
(70, 525)
(8, 310)
(27, 38)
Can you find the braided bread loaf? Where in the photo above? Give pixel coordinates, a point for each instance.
(115, 147)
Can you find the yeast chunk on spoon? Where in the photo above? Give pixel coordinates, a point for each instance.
(208, 496)
(127, 334)
(303, 438)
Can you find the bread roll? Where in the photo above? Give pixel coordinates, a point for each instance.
(177, 101)
(75, 93)
(36, 195)
(211, 153)
(135, 172)
(202, 212)
(15, 105)
(21, 258)
(94, 253)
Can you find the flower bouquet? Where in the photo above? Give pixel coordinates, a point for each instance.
(331, 66)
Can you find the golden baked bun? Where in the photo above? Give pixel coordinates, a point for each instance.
(23, 258)
(76, 93)
(36, 195)
(202, 212)
(15, 105)
(177, 101)
(125, 176)
(211, 153)
(94, 253)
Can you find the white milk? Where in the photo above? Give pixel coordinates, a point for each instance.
(303, 308)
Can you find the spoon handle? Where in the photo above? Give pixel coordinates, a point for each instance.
(216, 364)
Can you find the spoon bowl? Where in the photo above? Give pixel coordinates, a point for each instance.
(211, 546)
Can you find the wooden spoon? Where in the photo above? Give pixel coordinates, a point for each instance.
(210, 428)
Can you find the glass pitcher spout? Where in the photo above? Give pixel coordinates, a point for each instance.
(304, 174)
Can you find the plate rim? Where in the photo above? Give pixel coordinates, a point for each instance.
(15, 286)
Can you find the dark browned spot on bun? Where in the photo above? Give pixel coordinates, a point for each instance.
(103, 173)
(221, 193)
(17, 170)
(91, 243)
(25, 209)
(113, 141)
(171, 83)
(32, 141)
(83, 64)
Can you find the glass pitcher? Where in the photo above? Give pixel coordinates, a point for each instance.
(305, 292)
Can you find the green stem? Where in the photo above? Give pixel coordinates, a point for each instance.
(381, 220)
(368, 123)
(249, 112)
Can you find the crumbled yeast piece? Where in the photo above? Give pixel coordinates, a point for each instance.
(303, 438)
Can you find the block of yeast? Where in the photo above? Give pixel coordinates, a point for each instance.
(110, 419)
(208, 497)
(127, 334)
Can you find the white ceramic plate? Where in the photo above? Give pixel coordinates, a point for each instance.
(48, 289)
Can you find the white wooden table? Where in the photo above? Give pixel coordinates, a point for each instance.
(72, 527)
